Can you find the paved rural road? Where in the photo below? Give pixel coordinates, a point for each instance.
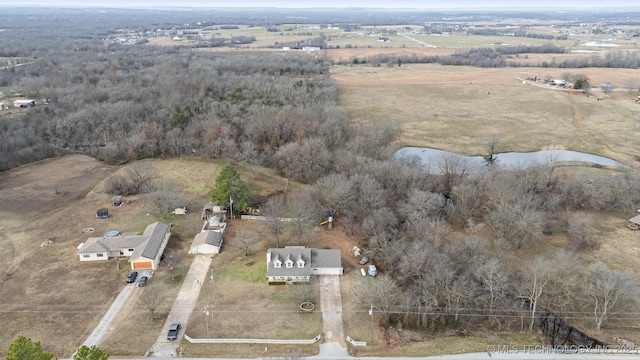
(418, 41)
(470, 356)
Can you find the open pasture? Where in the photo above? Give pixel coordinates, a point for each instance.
(462, 108)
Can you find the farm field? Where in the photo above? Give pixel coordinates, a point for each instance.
(461, 108)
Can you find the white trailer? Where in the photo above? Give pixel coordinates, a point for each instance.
(24, 103)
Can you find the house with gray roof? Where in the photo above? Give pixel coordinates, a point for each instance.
(293, 264)
(207, 242)
(144, 251)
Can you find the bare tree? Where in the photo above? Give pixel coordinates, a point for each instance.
(273, 211)
(631, 84)
(304, 292)
(335, 192)
(491, 274)
(453, 167)
(380, 292)
(608, 289)
(305, 211)
(152, 298)
(536, 275)
(519, 222)
(243, 242)
(493, 148)
(468, 197)
(424, 204)
(164, 198)
(580, 231)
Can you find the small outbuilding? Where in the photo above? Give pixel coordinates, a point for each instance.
(207, 242)
(117, 200)
(102, 213)
(634, 223)
(180, 210)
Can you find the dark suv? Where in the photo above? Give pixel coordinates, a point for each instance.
(132, 276)
(143, 281)
(173, 331)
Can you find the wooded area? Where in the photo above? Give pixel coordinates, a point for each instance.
(427, 232)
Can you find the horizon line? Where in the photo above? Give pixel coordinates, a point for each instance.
(493, 8)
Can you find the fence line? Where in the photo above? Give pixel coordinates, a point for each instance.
(356, 343)
(252, 341)
(264, 218)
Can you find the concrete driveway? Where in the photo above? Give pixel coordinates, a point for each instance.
(183, 306)
(331, 306)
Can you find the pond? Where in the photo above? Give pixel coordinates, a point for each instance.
(435, 159)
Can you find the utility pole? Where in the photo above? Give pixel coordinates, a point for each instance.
(206, 317)
(371, 314)
(213, 287)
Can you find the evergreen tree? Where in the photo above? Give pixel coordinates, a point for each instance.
(90, 353)
(23, 348)
(230, 186)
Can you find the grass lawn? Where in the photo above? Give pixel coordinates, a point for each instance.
(242, 305)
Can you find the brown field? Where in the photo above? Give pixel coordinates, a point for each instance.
(461, 108)
(47, 294)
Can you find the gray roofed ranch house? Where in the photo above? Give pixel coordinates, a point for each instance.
(293, 264)
(144, 250)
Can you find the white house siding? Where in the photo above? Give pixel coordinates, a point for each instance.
(93, 256)
(289, 278)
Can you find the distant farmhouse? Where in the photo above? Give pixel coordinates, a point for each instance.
(295, 264)
(144, 251)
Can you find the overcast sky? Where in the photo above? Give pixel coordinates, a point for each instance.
(424, 4)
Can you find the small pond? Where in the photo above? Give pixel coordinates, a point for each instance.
(433, 159)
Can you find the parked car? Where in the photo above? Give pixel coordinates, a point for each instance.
(173, 331)
(143, 281)
(363, 272)
(363, 260)
(372, 270)
(132, 277)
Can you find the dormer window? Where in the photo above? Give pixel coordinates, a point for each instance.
(300, 261)
(288, 262)
(277, 263)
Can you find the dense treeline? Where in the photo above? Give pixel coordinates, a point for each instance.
(125, 103)
(499, 57)
(516, 33)
(450, 244)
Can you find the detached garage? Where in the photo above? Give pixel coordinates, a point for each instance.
(207, 242)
